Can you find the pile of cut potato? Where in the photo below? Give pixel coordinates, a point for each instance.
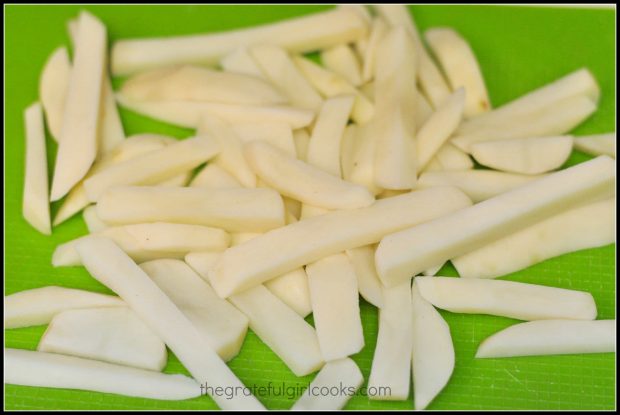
(304, 186)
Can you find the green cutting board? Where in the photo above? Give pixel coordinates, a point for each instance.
(518, 48)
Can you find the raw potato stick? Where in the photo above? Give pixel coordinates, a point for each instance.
(250, 210)
(325, 141)
(584, 227)
(130, 148)
(92, 220)
(50, 370)
(213, 176)
(395, 98)
(277, 252)
(303, 34)
(449, 158)
(557, 119)
(479, 185)
(239, 61)
(597, 144)
(281, 329)
(331, 85)
(277, 134)
(348, 146)
(342, 60)
(35, 200)
(193, 83)
(230, 156)
(78, 144)
(432, 353)
(409, 252)
(153, 167)
(107, 263)
(279, 68)
(302, 181)
(533, 155)
(39, 305)
(147, 241)
(342, 373)
(578, 83)
(335, 307)
(223, 326)
(506, 298)
(461, 67)
(110, 334)
(550, 337)
(423, 110)
(301, 138)
(189, 113)
(53, 86)
(378, 29)
(439, 126)
(391, 362)
(430, 78)
(369, 285)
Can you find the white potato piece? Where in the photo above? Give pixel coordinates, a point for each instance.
(335, 306)
(597, 144)
(359, 46)
(459, 64)
(342, 373)
(153, 167)
(35, 200)
(583, 227)
(450, 157)
(395, 96)
(277, 134)
(368, 283)
(201, 262)
(189, 113)
(432, 353)
(302, 181)
(409, 252)
(230, 156)
(303, 34)
(281, 329)
(479, 185)
(429, 77)
(39, 305)
(364, 155)
(108, 264)
(50, 370)
(378, 29)
(301, 138)
(342, 60)
(53, 85)
(325, 140)
(223, 326)
(194, 83)
(239, 61)
(423, 110)
(532, 155)
(433, 271)
(279, 68)
(250, 210)
(391, 362)
(348, 147)
(92, 220)
(110, 334)
(146, 241)
(551, 337)
(214, 177)
(78, 144)
(292, 288)
(578, 83)
(439, 126)
(129, 148)
(110, 130)
(331, 85)
(278, 251)
(506, 298)
(557, 119)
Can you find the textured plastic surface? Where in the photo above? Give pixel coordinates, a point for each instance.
(519, 49)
